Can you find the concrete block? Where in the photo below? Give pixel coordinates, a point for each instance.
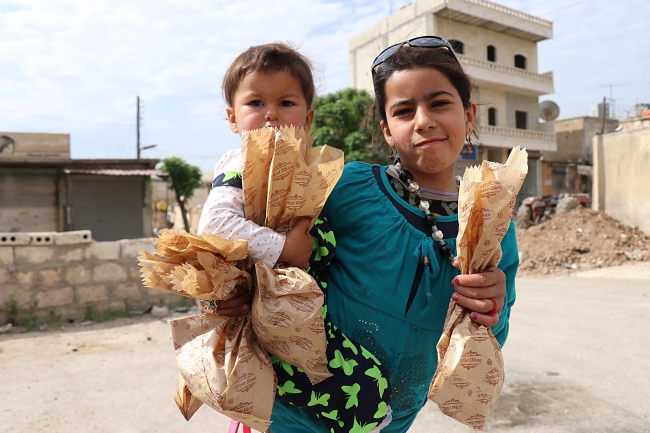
(134, 273)
(91, 294)
(4, 276)
(25, 279)
(78, 275)
(14, 239)
(69, 313)
(109, 272)
(41, 238)
(71, 254)
(103, 250)
(33, 255)
(73, 237)
(54, 297)
(160, 311)
(6, 255)
(49, 277)
(128, 291)
(115, 306)
(23, 297)
(132, 247)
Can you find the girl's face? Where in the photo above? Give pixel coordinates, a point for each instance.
(427, 124)
(269, 99)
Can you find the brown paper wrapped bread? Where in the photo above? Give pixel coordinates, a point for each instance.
(220, 360)
(286, 179)
(470, 372)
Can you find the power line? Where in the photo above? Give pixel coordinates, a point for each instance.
(61, 118)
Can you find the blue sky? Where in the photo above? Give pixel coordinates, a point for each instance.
(76, 66)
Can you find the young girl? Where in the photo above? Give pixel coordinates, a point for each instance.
(271, 85)
(392, 275)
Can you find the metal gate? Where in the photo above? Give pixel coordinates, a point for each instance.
(28, 200)
(110, 206)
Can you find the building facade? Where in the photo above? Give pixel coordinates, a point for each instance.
(43, 190)
(569, 168)
(497, 47)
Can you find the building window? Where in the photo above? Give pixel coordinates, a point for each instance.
(492, 116)
(491, 53)
(458, 46)
(521, 120)
(520, 61)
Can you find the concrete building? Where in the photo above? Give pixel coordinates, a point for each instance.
(621, 176)
(569, 168)
(43, 190)
(497, 47)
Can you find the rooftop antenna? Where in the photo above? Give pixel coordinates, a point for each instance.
(611, 97)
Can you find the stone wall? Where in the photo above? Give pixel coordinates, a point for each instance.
(65, 274)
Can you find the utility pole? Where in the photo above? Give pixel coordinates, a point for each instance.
(137, 123)
(602, 126)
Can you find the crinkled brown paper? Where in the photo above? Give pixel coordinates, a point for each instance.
(220, 361)
(223, 361)
(470, 371)
(286, 179)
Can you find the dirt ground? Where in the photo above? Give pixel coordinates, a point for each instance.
(576, 361)
(579, 240)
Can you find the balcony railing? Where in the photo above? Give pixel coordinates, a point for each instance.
(515, 13)
(516, 133)
(469, 61)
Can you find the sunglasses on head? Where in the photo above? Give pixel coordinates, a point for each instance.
(420, 42)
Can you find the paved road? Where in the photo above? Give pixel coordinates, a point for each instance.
(577, 360)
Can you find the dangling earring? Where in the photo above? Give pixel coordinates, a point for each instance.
(392, 153)
(468, 140)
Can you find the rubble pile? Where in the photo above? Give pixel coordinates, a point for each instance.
(579, 240)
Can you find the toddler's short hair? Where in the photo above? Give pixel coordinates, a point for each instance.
(273, 57)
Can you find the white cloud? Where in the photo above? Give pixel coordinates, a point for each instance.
(76, 66)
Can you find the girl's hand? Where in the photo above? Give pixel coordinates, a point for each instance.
(477, 292)
(297, 246)
(233, 307)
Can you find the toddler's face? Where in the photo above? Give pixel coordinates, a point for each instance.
(269, 100)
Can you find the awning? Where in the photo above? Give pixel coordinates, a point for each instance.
(116, 172)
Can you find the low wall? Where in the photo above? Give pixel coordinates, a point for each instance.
(64, 274)
(621, 176)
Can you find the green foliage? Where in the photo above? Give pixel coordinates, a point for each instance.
(31, 323)
(93, 314)
(54, 322)
(184, 177)
(12, 310)
(339, 122)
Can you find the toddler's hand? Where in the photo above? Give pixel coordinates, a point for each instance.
(297, 246)
(233, 307)
(476, 292)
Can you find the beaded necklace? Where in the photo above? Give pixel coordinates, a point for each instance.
(431, 220)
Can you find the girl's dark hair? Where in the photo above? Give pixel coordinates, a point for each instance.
(273, 57)
(406, 58)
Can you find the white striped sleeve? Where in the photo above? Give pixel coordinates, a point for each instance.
(223, 215)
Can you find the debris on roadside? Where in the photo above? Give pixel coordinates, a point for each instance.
(579, 240)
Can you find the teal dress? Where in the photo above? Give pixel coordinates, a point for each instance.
(382, 295)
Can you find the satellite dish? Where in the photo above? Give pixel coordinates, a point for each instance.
(548, 110)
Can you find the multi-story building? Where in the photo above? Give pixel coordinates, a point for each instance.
(497, 47)
(569, 169)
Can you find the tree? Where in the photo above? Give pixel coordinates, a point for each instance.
(339, 122)
(184, 178)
